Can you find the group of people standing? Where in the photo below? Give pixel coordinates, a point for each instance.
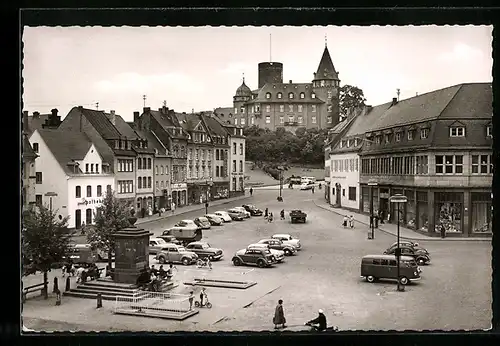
(348, 221)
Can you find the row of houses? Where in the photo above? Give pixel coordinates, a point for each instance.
(160, 160)
(435, 148)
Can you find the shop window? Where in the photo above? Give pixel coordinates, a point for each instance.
(365, 194)
(352, 193)
(410, 209)
(481, 212)
(422, 211)
(448, 209)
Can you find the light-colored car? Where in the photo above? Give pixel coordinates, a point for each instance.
(214, 219)
(172, 253)
(288, 239)
(204, 249)
(202, 222)
(223, 215)
(155, 245)
(278, 254)
(307, 186)
(185, 225)
(236, 215)
(277, 244)
(243, 210)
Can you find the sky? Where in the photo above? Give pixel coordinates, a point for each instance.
(200, 68)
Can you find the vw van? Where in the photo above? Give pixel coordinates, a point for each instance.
(374, 267)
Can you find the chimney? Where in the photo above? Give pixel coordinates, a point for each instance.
(25, 122)
(80, 107)
(112, 117)
(136, 117)
(36, 114)
(290, 81)
(54, 112)
(146, 109)
(394, 101)
(164, 109)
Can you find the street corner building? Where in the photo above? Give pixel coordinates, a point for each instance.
(290, 105)
(70, 178)
(434, 148)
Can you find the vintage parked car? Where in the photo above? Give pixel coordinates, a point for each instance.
(236, 215)
(155, 245)
(279, 245)
(172, 253)
(214, 220)
(307, 186)
(243, 210)
(288, 239)
(278, 254)
(185, 224)
(203, 249)
(420, 255)
(376, 267)
(223, 215)
(252, 209)
(407, 243)
(260, 257)
(170, 239)
(185, 235)
(202, 222)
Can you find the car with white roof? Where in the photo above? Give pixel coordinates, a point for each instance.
(278, 254)
(223, 215)
(243, 210)
(288, 239)
(155, 245)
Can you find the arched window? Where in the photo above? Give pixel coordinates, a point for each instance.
(162, 171)
(149, 163)
(290, 95)
(280, 95)
(78, 192)
(89, 191)
(302, 95)
(99, 190)
(139, 183)
(268, 95)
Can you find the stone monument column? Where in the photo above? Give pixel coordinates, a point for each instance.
(131, 254)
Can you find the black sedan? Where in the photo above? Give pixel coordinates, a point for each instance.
(252, 209)
(421, 255)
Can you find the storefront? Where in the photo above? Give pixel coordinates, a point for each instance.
(448, 211)
(220, 190)
(179, 194)
(410, 210)
(163, 201)
(481, 213)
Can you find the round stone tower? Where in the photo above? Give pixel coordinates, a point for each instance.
(270, 72)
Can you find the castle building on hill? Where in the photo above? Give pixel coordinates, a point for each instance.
(289, 105)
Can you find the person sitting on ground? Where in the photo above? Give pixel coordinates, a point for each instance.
(143, 279)
(319, 322)
(170, 272)
(161, 272)
(154, 270)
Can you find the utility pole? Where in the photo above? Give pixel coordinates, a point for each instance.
(398, 92)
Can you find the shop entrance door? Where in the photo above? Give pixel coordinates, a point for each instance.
(78, 218)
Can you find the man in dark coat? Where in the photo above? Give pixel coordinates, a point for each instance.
(279, 315)
(319, 322)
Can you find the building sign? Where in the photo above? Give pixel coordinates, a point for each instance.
(90, 201)
(179, 186)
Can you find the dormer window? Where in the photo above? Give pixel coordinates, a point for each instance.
(457, 131)
(290, 95)
(302, 95)
(355, 142)
(424, 133)
(410, 135)
(313, 95)
(387, 139)
(489, 132)
(268, 95)
(377, 139)
(117, 144)
(280, 95)
(398, 137)
(341, 144)
(348, 143)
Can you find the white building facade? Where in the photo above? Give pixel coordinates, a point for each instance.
(344, 180)
(69, 175)
(236, 161)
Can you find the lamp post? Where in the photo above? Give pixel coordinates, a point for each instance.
(280, 198)
(50, 195)
(398, 199)
(209, 184)
(372, 183)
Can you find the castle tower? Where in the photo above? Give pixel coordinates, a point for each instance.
(243, 95)
(326, 86)
(270, 72)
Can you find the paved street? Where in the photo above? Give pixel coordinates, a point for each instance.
(454, 293)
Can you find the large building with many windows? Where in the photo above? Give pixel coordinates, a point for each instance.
(436, 149)
(290, 105)
(69, 177)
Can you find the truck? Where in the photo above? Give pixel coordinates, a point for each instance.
(298, 215)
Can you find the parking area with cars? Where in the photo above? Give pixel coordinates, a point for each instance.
(454, 291)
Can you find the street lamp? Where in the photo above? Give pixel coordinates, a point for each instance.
(50, 194)
(280, 198)
(398, 198)
(209, 184)
(372, 183)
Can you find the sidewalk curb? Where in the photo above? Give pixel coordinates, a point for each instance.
(402, 237)
(201, 206)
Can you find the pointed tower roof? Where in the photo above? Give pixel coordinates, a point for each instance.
(326, 70)
(243, 90)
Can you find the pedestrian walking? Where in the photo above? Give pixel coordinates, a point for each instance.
(251, 191)
(442, 230)
(351, 221)
(270, 218)
(312, 190)
(191, 300)
(282, 214)
(266, 213)
(203, 295)
(173, 207)
(159, 212)
(344, 222)
(279, 315)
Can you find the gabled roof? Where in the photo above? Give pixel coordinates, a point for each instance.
(66, 146)
(326, 70)
(100, 122)
(123, 128)
(163, 119)
(285, 89)
(188, 121)
(214, 126)
(472, 100)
